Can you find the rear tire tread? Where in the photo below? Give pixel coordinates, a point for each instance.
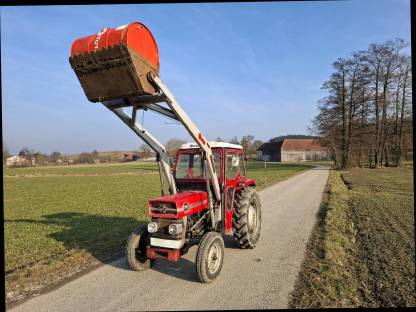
(243, 199)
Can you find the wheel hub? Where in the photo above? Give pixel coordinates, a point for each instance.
(214, 258)
(252, 219)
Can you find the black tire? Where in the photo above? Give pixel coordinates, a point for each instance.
(137, 242)
(210, 257)
(247, 232)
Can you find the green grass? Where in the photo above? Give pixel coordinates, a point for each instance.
(318, 162)
(103, 169)
(61, 220)
(273, 173)
(362, 250)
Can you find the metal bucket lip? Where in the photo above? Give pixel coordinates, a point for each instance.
(93, 66)
(129, 51)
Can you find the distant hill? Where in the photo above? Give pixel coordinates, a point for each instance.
(113, 155)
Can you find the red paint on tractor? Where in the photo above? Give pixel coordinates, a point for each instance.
(185, 203)
(201, 139)
(163, 253)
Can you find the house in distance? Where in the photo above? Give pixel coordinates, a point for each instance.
(287, 150)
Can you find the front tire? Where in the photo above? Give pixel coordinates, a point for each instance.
(247, 218)
(210, 257)
(136, 246)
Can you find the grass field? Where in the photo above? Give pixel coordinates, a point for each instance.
(99, 169)
(362, 251)
(63, 220)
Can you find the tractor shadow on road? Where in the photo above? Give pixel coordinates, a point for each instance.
(185, 269)
(230, 243)
(105, 237)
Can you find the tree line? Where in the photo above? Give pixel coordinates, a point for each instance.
(366, 118)
(293, 136)
(248, 142)
(55, 157)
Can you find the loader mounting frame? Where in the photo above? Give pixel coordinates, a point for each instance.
(173, 111)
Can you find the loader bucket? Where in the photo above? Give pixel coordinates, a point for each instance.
(115, 62)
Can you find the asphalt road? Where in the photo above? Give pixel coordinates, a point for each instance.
(260, 278)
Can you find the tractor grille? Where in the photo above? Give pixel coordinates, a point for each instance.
(163, 208)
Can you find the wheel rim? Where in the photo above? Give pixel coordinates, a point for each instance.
(140, 250)
(214, 258)
(252, 219)
(140, 255)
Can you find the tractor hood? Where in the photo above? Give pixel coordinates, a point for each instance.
(178, 205)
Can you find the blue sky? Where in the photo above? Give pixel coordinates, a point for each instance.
(236, 68)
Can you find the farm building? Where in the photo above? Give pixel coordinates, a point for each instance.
(19, 161)
(292, 150)
(130, 157)
(270, 151)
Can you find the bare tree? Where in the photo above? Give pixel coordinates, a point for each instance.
(54, 156)
(406, 92)
(257, 144)
(26, 153)
(246, 142)
(40, 158)
(85, 157)
(173, 145)
(234, 140)
(357, 119)
(145, 150)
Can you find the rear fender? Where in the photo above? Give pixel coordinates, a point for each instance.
(248, 183)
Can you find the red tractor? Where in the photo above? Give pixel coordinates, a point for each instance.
(209, 193)
(191, 217)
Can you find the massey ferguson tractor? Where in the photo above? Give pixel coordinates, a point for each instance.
(210, 194)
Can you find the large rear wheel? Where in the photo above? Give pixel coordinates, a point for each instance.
(136, 249)
(247, 218)
(210, 257)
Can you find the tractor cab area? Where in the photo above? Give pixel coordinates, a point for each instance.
(191, 175)
(189, 168)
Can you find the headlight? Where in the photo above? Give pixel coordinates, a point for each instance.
(175, 229)
(152, 227)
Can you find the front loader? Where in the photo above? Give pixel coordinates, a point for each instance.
(209, 193)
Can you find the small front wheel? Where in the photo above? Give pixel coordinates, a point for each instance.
(210, 257)
(136, 249)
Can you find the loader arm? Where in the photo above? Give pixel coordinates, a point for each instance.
(193, 131)
(175, 111)
(119, 67)
(154, 144)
